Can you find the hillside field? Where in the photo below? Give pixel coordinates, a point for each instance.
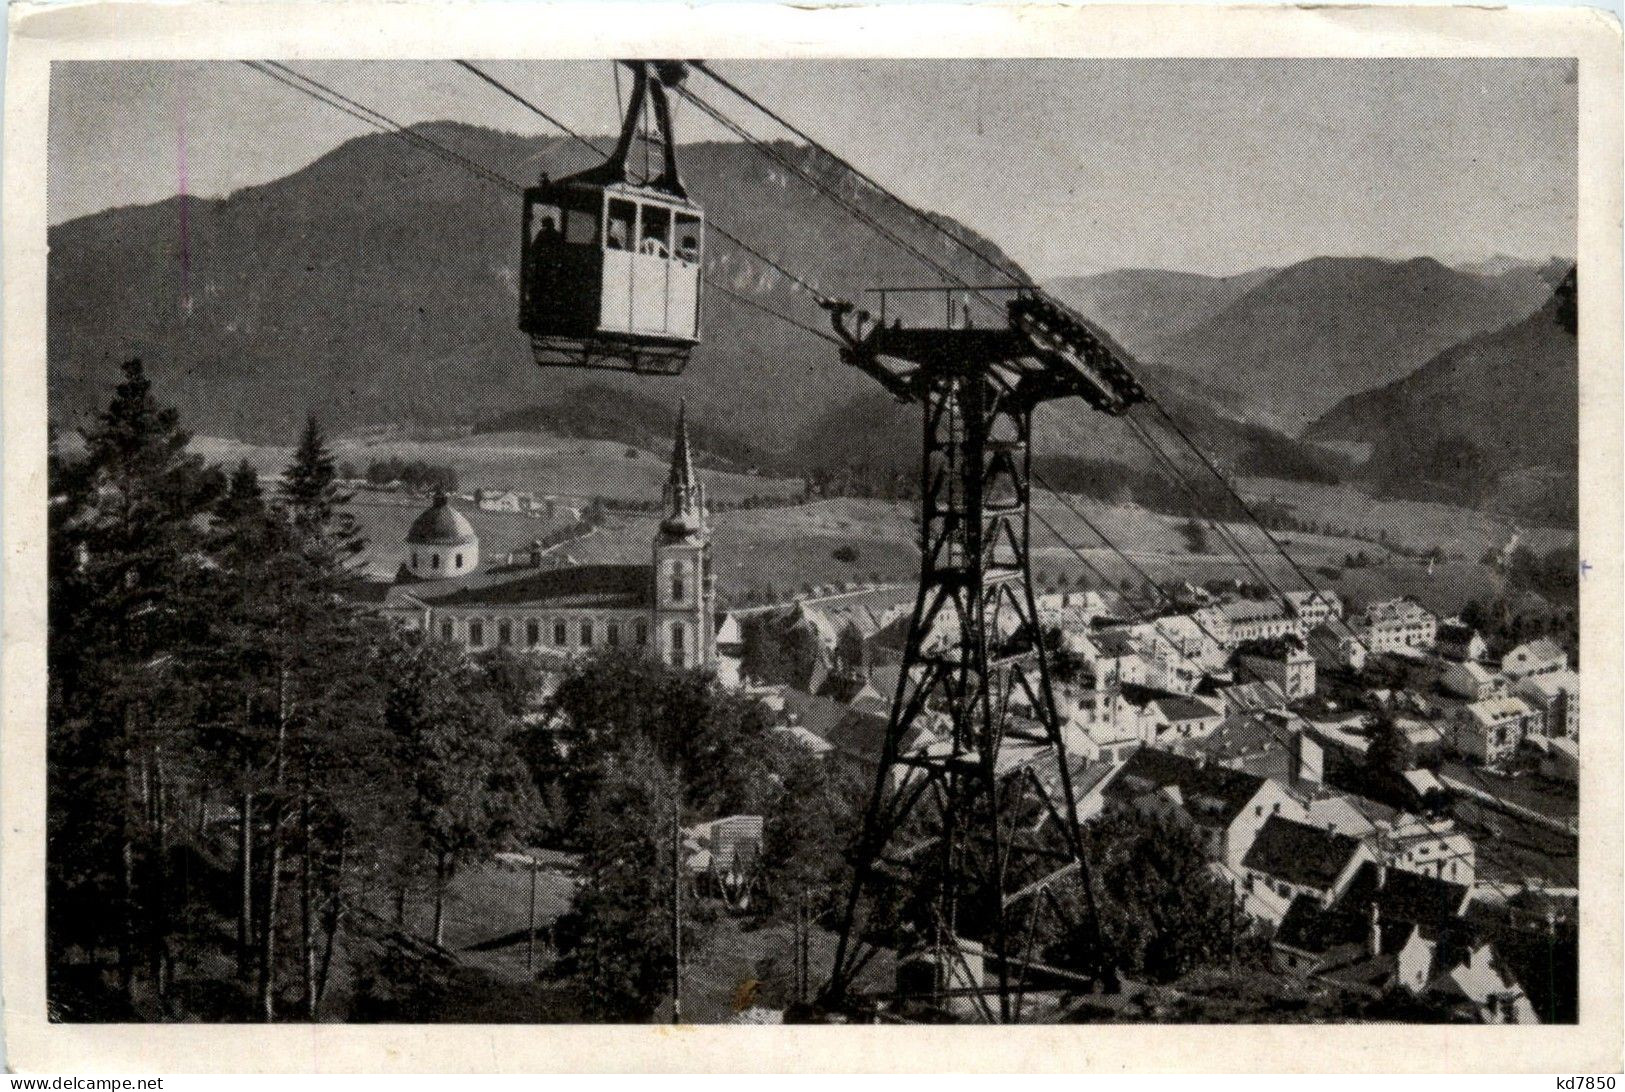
(531, 462)
(786, 549)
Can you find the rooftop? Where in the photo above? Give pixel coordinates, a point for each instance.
(1177, 707)
(1394, 610)
(1213, 795)
(1272, 648)
(1113, 642)
(1495, 710)
(1402, 895)
(441, 525)
(1456, 632)
(1541, 648)
(1256, 696)
(1300, 854)
(1553, 683)
(1476, 671)
(624, 587)
(1342, 931)
(1256, 743)
(1253, 610)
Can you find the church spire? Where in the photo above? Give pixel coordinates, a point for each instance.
(684, 495)
(682, 463)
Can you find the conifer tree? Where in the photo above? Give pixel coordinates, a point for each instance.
(322, 696)
(126, 559)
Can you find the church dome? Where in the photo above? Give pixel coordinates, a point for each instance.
(441, 525)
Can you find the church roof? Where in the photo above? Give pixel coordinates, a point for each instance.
(441, 525)
(627, 587)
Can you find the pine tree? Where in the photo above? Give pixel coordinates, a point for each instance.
(1389, 750)
(311, 495)
(126, 560)
(249, 544)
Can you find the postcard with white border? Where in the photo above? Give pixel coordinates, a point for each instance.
(657, 537)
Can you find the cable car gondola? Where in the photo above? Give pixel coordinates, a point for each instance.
(612, 270)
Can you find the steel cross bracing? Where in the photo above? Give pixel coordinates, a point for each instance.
(973, 654)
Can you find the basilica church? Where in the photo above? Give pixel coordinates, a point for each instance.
(666, 608)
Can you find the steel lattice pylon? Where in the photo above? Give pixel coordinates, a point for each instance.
(974, 651)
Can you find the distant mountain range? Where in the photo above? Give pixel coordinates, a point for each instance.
(1291, 346)
(378, 286)
(1492, 421)
(1141, 307)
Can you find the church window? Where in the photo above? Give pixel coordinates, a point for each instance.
(459, 561)
(642, 630)
(533, 632)
(561, 634)
(447, 630)
(504, 632)
(414, 559)
(476, 633)
(677, 638)
(434, 561)
(677, 588)
(586, 634)
(612, 634)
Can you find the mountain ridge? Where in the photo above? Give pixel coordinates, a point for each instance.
(1295, 343)
(1490, 421)
(379, 286)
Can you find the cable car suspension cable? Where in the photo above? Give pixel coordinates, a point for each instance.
(1478, 850)
(350, 106)
(1171, 471)
(1481, 850)
(315, 89)
(1162, 592)
(833, 195)
(798, 281)
(328, 96)
(1140, 615)
(749, 302)
(384, 121)
(1002, 268)
(942, 228)
(1251, 515)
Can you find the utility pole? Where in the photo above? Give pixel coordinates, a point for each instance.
(803, 929)
(676, 898)
(806, 951)
(530, 937)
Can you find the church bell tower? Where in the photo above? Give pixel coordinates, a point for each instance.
(685, 586)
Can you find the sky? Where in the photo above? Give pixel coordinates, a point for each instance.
(1072, 166)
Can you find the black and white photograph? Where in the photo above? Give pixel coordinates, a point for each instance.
(769, 541)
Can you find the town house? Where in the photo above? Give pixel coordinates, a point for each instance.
(1283, 661)
(1556, 696)
(1458, 641)
(1226, 807)
(1538, 657)
(1490, 730)
(1397, 625)
(1472, 680)
(1294, 859)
